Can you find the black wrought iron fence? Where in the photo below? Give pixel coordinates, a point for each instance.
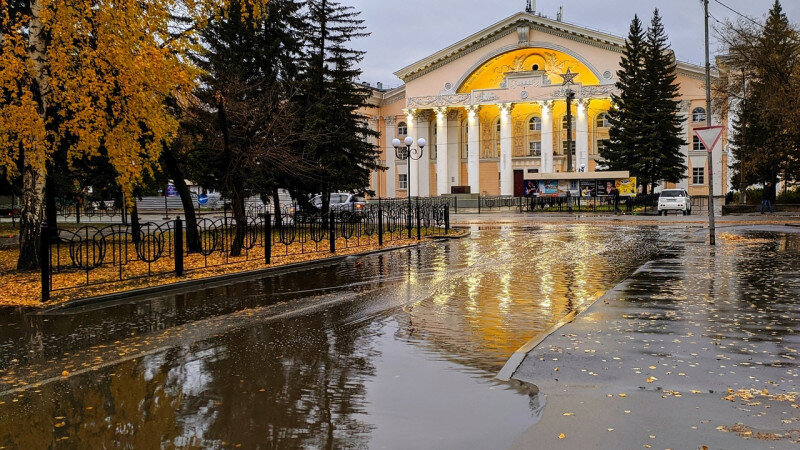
(92, 255)
(96, 211)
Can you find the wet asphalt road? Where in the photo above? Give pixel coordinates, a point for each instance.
(698, 348)
(394, 350)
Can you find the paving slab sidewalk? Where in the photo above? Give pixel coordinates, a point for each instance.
(697, 348)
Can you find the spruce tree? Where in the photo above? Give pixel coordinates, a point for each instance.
(660, 157)
(335, 100)
(245, 114)
(628, 107)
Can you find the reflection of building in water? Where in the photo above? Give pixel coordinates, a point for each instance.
(493, 108)
(512, 283)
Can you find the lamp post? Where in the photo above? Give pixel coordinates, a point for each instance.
(569, 79)
(407, 153)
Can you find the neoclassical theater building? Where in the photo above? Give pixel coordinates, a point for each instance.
(492, 108)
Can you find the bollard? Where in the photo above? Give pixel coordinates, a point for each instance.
(44, 262)
(380, 223)
(447, 219)
(267, 238)
(332, 231)
(178, 240)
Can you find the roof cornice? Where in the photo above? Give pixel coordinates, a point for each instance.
(504, 28)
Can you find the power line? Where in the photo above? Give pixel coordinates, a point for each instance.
(738, 13)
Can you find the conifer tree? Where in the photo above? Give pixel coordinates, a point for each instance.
(660, 158)
(345, 159)
(245, 114)
(627, 113)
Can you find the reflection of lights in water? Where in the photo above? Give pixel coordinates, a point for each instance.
(504, 248)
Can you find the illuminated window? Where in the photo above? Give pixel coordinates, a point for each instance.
(535, 149)
(535, 124)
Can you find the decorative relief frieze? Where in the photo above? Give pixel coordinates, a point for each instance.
(439, 100)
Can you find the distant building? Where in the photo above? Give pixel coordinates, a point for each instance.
(492, 108)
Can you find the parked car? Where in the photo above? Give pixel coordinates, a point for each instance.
(341, 201)
(674, 200)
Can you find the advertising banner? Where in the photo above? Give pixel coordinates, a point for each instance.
(588, 188)
(626, 186)
(549, 187)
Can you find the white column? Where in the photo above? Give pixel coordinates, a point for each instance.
(389, 123)
(683, 113)
(506, 170)
(453, 149)
(582, 135)
(423, 175)
(473, 149)
(547, 137)
(442, 173)
(412, 176)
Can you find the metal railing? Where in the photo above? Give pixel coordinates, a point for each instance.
(91, 255)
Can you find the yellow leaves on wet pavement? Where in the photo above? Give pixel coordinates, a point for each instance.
(562, 436)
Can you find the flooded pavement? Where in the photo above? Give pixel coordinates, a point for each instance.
(390, 350)
(698, 348)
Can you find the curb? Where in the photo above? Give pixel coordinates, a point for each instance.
(177, 287)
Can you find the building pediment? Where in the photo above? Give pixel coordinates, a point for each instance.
(521, 24)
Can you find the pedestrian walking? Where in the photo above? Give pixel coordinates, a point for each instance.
(615, 198)
(767, 197)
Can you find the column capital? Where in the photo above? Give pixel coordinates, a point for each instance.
(584, 102)
(441, 112)
(390, 120)
(545, 104)
(507, 107)
(423, 114)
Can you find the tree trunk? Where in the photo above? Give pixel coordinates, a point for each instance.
(174, 170)
(237, 203)
(32, 212)
(33, 161)
(136, 227)
(276, 207)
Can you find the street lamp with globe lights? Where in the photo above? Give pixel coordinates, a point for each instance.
(407, 153)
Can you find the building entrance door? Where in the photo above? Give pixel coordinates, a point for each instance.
(519, 183)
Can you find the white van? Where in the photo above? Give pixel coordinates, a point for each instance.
(674, 200)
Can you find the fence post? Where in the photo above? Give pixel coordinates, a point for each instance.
(455, 203)
(44, 262)
(267, 238)
(380, 223)
(479, 203)
(419, 222)
(520, 205)
(178, 239)
(332, 230)
(77, 212)
(447, 218)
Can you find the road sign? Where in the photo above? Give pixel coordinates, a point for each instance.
(709, 135)
(202, 199)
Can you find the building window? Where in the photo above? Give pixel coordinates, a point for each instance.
(698, 175)
(402, 181)
(402, 129)
(564, 147)
(697, 144)
(564, 123)
(602, 121)
(699, 115)
(535, 124)
(602, 145)
(535, 149)
(465, 140)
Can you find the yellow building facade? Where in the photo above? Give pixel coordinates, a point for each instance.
(492, 107)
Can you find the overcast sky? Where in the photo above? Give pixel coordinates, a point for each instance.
(406, 31)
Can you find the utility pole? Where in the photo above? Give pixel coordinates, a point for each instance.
(743, 124)
(711, 226)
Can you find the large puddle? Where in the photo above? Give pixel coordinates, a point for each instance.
(386, 351)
